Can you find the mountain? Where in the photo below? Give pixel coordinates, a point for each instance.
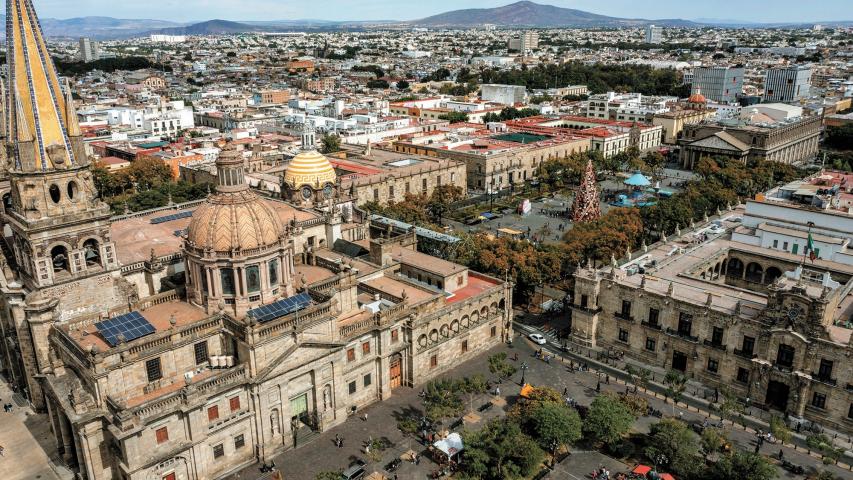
(212, 27)
(99, 27)
(529, 14)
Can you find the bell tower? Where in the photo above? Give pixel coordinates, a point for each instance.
(60, 228)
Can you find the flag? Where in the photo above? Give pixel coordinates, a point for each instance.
(810, 248)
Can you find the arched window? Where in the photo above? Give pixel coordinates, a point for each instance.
(274, 422)
(59, 257)
(735, 268)
(771, 275)
(92, 250)
(754, 272)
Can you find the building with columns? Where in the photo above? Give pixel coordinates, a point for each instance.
(753, 137)
(771, 326)
(190, 341)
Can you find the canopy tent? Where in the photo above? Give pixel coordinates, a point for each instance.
(450, 446)
(641, 469)
(637, 180)
(526, 390)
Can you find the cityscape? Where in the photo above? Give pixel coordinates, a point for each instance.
(474, 240)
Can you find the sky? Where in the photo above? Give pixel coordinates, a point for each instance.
(236, 10)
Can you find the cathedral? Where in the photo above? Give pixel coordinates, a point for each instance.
(193, 340)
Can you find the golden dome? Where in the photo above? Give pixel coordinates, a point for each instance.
(309, 168)
(697, 98)
(235, 217)
(234, 221)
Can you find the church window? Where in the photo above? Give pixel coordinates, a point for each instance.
(200, 350)
(273, 272)
(227, 276)
(253, 278)
(152, 368)
(72, 190)
(55, 195)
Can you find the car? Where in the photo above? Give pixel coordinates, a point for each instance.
(537, 338)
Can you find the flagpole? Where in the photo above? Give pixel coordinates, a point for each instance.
(808, 246)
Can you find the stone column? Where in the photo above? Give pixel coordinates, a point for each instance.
(67, 439)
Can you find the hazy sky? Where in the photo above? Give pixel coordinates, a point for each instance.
(189, 10)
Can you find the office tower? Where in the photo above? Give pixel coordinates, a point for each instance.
(718, 84)
(787, 84)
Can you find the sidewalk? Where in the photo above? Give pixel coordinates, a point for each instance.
(26, 437)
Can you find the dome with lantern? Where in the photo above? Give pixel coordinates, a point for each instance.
(309, 176)
(235, 217)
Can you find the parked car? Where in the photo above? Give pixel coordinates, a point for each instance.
(537, 338)
(354, 472)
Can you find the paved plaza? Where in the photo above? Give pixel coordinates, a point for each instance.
(323, 455)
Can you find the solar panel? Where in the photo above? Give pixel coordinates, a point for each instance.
(278, 309)
(169, 218)
(130, 326)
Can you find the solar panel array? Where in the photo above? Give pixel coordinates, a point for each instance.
(180, 232)
(169, 218)
(280, 308)
(130, 326)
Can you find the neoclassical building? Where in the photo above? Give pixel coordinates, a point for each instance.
(768, 324)
(191, 341)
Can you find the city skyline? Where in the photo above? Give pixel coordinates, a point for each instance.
(359, 10)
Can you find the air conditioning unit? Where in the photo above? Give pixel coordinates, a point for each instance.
(212, 360)
(189, 375)
(229, 361)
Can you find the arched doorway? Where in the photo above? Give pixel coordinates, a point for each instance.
(735, 268)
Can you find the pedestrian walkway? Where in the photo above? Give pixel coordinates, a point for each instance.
(26, 437)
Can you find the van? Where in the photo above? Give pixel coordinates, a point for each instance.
(354, 472)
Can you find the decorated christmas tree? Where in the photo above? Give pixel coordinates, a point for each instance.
(586, 206)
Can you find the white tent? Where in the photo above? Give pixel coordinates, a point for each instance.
(451, 445)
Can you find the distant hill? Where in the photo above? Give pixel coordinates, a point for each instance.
(212, 27)
(99, 27)
(529, 14)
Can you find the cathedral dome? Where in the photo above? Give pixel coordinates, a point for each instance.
(697, 98)
(309, 168)
(235, 217)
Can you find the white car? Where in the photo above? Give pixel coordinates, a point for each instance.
(537, 338)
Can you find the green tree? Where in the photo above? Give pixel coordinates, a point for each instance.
(740, 465)
(730, 407)
(442, 399)
(148, 172)
(554, 426)
(330, 143)
(442, 199)
(402, 85)
(454, 117)
(378, 84)
(713, 440)
(500, 451)
(779, 429)
(498, 365)
(675, 383)
(673, 441)
(608, 420)
(473, 386)
(840, 137)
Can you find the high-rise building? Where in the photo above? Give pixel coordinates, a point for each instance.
(526, 41)
(89, 50)
(787, 84)
(654, 34)
(719, 84)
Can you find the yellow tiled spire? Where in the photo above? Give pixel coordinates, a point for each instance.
(42, 114)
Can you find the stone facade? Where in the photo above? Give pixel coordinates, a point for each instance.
(762, 326)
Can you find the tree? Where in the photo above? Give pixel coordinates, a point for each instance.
(840, 137)
(608, 420)
(498, 365)
(231, 54)
(148, 172)
(454, 117)
(730, 407)
(378, 84)
(441, 399)
(779, 429)
(473, 386)
(441, 200)
(673, 441)
(554, 426)
(402, 85)
(740, 465)
(675, 383)
(500, 451)
(331, 143)
(714, 440)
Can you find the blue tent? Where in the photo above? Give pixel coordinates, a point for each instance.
(638, 180)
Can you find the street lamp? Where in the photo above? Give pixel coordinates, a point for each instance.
(659, 458)
(524, 368)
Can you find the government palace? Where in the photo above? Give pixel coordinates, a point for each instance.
(191, 341)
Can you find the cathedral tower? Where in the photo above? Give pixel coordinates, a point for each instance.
(60, 227)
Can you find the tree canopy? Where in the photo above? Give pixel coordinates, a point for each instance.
(500, 451)
(608, 419)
